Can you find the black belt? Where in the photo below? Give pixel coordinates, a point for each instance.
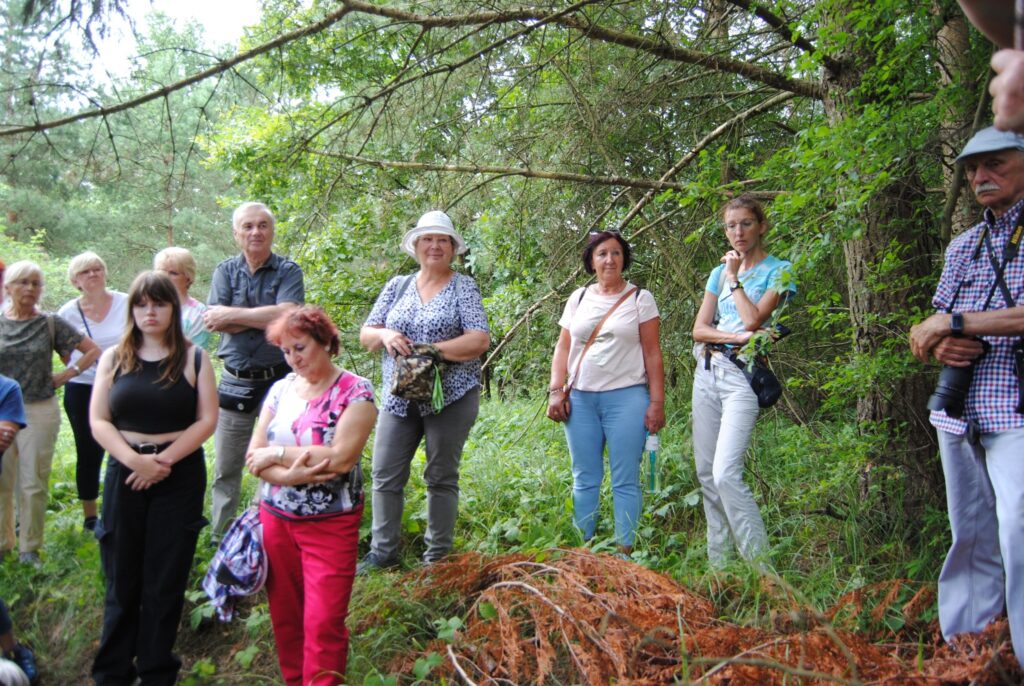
(261, 374)
(150, 448)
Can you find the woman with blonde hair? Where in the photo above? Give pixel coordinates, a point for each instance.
(180, 266)
(28, 339)
(100, 314)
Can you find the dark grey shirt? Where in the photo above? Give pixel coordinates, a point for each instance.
(277, 281)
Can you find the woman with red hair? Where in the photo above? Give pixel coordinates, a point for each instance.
(306, 450)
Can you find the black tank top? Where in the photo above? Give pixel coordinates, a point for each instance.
(140, 402)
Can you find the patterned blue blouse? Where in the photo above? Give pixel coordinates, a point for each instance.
(456, 309)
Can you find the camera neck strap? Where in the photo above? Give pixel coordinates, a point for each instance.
(1009, 253)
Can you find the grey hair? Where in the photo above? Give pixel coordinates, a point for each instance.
(252, 205)
(22, 269)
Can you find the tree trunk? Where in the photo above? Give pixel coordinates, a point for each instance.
(879, 302)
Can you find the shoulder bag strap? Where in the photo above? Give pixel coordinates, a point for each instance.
(85, 322)
(402, 287)
(593, 334)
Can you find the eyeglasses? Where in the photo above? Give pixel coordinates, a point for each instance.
(27, 282)
(744, 225)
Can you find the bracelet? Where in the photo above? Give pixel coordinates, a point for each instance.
(280, 454)
(74, 365)
(556, 390)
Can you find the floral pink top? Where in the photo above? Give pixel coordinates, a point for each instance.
(300, 422)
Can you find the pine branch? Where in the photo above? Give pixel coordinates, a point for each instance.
(163, 92)
(507, 171)
(655, 46)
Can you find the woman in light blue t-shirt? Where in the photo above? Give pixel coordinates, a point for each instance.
(740, 298)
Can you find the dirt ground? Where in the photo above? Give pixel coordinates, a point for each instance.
(584, 618)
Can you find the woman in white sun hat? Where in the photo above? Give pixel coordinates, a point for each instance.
(441, 307)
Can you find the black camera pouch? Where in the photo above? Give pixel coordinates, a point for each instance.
(241, 395)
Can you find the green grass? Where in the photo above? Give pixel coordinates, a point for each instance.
(827, 530)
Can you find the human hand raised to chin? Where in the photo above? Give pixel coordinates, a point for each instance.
(732, 261)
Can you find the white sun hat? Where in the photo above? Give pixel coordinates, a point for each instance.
(434, 221)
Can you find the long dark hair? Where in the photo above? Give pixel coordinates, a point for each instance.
(157, 287)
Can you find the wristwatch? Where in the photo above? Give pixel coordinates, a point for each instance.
(74, 365)
(735, 285)
(956, 323)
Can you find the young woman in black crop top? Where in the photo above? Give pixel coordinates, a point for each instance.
(153, 405)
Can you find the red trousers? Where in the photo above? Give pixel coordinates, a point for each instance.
(312, 565)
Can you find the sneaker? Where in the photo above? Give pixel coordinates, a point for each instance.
(90, 523)
(371, 563)
(26, 659)
(30, 559)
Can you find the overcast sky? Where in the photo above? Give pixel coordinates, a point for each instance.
(222, 21)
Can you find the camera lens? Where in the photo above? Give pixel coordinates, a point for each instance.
(951, 390)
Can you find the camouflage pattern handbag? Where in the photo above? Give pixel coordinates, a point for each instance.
(418, 376)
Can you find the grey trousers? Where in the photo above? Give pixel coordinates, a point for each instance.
(984, 569)
(230, 443)
(393, 449)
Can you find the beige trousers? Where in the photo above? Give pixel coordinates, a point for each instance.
(26, 477)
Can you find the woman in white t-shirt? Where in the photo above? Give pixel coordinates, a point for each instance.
(102, 315)
(740, 297)
(617, 385)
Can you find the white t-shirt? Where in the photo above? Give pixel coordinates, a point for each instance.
(106, 334)
(616, 359)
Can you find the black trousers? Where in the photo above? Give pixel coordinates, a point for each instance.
(89, 452)
(147, 542)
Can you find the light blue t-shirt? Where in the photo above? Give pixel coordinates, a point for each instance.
(770, 273)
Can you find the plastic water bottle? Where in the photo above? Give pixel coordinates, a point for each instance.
(651, 446)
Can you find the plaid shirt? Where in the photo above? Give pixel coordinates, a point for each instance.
(992, 399)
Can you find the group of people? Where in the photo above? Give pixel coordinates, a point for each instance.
(141, 388)
(145, 393)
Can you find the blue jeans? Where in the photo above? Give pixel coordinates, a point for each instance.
(614, 419)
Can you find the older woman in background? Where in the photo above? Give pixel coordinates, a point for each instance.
(28, 339)
(617, 383)
(441, 307)
(180, 266)
(306, 450)
(100, 314)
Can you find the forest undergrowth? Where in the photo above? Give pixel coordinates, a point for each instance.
(849, 598)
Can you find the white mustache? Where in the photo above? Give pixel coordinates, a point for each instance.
(987, 186)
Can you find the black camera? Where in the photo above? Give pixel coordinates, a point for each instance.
(951, 390)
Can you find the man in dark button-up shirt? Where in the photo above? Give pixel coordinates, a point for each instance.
(249, 291)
